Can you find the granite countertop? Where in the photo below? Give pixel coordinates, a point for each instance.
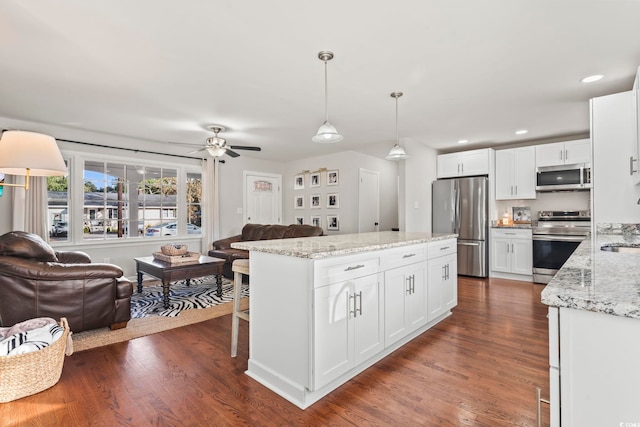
(339, 244)
(596, 280)
(527, 226)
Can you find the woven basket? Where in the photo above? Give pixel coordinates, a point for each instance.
(173, 250)
(30, 373)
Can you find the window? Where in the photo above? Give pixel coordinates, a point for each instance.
(121, 201)
(58, 207)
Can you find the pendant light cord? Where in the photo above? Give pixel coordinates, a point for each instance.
(326, 94)
(397, 137)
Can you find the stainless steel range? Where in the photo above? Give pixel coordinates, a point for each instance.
(556, 236)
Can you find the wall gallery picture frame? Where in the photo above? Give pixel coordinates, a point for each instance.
(333, 201)
(298, 202)
(332, 177)
(314, 202)
(314, 180)
(316, 220)
(333, 222)
(299, 220)
(298, 182)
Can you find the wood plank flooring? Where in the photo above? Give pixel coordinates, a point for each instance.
(480, 367)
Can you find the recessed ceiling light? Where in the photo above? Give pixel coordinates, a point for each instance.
(462, 141)
(591, 79)
(521, 132)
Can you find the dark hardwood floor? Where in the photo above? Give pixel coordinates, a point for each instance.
(480, 367)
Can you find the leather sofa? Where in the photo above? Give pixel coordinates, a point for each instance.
(251, 232)
(37, 281)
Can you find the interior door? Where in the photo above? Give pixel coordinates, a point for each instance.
(263, 198)
(368, 201)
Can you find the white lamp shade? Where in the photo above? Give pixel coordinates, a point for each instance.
(21, 150)
(397, 153)
(216, 151)
(327, 134)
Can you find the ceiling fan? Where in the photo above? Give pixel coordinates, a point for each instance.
(217, 146)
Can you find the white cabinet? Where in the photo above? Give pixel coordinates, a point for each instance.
(634, 158)
(593, 359)
(348, 326)
(516, 173)
(464, 163)
(442, 281)
(511, 251)
(563, 153)
(405, 298)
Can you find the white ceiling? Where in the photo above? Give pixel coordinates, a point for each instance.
(162, 70)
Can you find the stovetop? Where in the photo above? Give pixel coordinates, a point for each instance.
(563, 223)
(579, 216)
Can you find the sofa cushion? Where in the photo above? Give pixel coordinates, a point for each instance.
(26, 245)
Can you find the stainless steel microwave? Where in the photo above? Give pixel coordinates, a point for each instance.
(564, 177)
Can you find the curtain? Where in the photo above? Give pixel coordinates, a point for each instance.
(30, 207)
(210, 203)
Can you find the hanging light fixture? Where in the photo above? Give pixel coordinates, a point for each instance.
(327, 132)
(397, 152)
(216, 146)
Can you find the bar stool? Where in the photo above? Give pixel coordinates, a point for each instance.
(239, 267)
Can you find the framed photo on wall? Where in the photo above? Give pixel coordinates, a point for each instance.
(316, 220)
(314, 180)
(299, 220)
(298, 202)
(315, 201)
(333, 201)
(298, 182)
(332, 177)
(333, 222)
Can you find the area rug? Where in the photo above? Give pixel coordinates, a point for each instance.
(198, 302)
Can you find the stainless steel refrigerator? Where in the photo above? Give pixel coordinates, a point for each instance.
(460, 205)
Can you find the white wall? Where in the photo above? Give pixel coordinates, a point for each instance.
(417, 174)
(615, 196)
(348, 164)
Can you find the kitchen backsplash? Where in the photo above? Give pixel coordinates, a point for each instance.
(569, 200)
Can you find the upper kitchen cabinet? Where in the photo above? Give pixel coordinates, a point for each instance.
(516, 173)
(464, 163)
(563, 153)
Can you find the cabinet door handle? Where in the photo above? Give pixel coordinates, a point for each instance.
(631, 169)
(408, 288)
(516, 190)
(462, 164)
(358, 310)
(444, 248)
(354, 267)
(512, 190)
(444, 272)
(413, 284)
(408, 255)
(447, 271)
(566, 155)
(507, 247)
(561, 154)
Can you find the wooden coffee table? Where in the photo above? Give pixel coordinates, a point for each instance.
(167, 273)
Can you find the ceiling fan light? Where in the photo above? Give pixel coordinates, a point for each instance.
(397, 153)
(216, 140)
(327, 134)
(216, 151)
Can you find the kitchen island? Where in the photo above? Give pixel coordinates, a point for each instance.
(323, 309)
(594, 336)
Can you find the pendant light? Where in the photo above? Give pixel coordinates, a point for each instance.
(327, 133)
(397, 152)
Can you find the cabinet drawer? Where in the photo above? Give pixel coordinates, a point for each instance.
(405, 255)
(442, 247)
(512, 233)
(345, 268)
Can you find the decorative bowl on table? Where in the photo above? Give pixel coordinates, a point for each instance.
(174, 249)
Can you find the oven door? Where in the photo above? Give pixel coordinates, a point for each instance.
(550, 252)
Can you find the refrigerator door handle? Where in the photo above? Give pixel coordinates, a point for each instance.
(456, 225)
(468, 243)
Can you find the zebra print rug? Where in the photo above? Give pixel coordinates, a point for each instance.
(201, 293)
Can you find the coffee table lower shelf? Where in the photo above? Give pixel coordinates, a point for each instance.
(167, 273)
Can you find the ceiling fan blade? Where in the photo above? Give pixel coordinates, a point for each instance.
(232, 153)
(245, 147)
(197, 151)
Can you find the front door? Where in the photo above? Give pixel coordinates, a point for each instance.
(263, 198)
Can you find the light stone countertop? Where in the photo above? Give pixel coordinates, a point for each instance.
(525, 226)
(339, 244)
(596, 280)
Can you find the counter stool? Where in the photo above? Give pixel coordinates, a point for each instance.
(239, 267)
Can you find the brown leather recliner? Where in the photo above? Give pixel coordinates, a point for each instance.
(251, 232)
(36, 281)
